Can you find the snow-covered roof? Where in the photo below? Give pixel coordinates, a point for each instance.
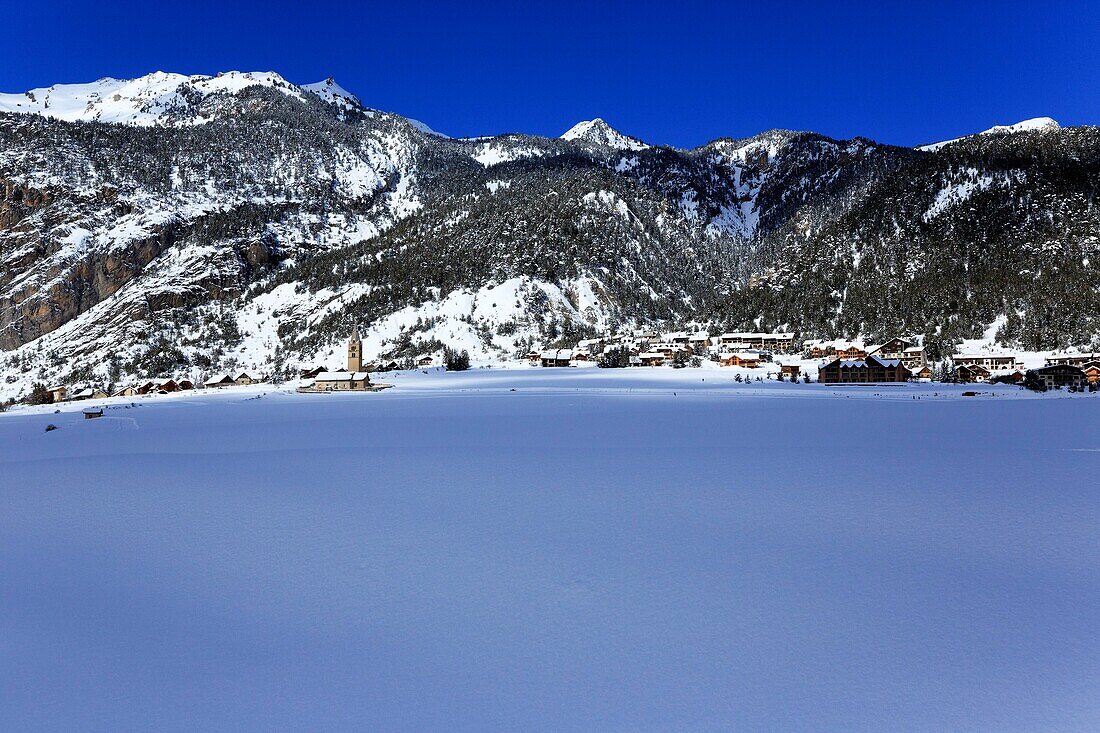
(342, 376)
(557, 354)
(218, 379)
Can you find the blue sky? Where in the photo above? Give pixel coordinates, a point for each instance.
(677, 73)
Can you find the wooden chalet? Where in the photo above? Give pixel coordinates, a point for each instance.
(869, 370)
(556, 358)
(426, 360)
(790, 370)
(968, 373)
(243, 379)
(218, 380)
(312, 372)
(1092, 372)
(745, 359)
(58, 394)
(649, 359)
(128, 390)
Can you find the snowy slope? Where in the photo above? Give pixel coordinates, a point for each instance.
(592, 551)
(1037, 124)
(598, 132)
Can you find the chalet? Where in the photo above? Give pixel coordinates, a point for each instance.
(58, 394)
(425, 360)
(218, 380)
(1078, 360)
(581, 356)
(89, 393)
(127, 391)
(1013, 377)
(851, 352)
(746, 359)
(533, 357)
(556, 358)
(921, 373)
(312, 372)
(243, 378)
(680, 338)
(341, 382)
(389, 366)
(913, 357)
(790, 370)
(862, 371)
(781, 343)
(650, 359)
(992, 362)
(968, 373)
(892, 349)
(699, 340)
(1092, 372)
(167, 386)
(1056, 376)
(185, 384)
(146, 387)
(590, 346)
(91, 413)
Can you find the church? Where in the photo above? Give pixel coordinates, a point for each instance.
(352, 380)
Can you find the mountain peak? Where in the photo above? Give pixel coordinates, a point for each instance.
(1035, 124)
(598, 132)
(330, 91)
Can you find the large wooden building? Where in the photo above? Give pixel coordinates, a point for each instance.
(863, 371)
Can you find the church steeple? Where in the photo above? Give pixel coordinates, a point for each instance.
(355, 351)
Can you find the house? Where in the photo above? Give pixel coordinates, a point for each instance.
(341, 382)
(921, 373)
(243, 378)
(556, 358)
(581, 356)
(1079, 360)
(90, 413)
(914, 357)
(128, 391)
(992, 362)
(968, 373)
(893, 349)
(851, 352)
(58, 394)
(167, 386)
(650, 359)
(312, 372)
(1013, 377)
(1092, 372)
(746, 359)
(589, 347)
(680, 338)
(781, 343)
(862, 371)
(699, 341)
(89, 393)
(218, 380)
(185, 384)
(533, 357)
(1056, 376)
(790, 370)
(425, 360)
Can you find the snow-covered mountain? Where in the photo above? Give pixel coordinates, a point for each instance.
(598, 132)
(1037, 124)
(181, 224)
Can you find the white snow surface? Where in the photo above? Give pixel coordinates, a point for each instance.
(1033, 125)
(599, 132)
(595, 550)
(143, 102)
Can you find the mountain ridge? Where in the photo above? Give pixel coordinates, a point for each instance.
(257, 223)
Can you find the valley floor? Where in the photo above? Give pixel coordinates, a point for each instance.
(595, 550)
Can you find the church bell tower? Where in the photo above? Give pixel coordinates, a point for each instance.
(355, 351)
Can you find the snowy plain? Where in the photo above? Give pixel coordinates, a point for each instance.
(595, 550)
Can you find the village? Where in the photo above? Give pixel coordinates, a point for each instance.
(781, 356)
(753, 356)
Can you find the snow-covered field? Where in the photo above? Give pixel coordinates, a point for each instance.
(595, 550)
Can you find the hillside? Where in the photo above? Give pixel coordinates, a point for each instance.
(173, 224)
